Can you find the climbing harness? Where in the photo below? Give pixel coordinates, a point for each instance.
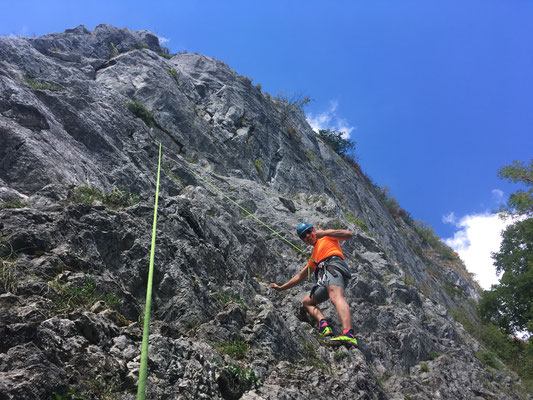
(328, 264)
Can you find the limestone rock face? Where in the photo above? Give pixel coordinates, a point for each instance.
(81, 117)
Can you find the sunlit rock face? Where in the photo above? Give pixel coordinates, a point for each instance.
(81, 116)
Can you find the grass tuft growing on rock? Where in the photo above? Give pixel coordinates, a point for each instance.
(83, 296)
(41, 85)
(356, 221)
(14, 204)
(8, 273)
(236, 348)
(117, 198)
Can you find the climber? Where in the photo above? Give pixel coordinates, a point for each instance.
(332, 275)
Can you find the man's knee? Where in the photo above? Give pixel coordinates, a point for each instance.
(336, 294)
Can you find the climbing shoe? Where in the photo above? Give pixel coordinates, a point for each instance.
(347, 338)
(324, 329)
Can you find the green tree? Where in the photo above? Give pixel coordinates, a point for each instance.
(337, 141)
(521, 202)
(509, 304)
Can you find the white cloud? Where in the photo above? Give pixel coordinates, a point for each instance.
(163, 40)
(497, 194)
(330, 120)
(450, 218)
(478, 235)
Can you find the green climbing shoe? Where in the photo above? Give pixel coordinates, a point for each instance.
(342, 339)
(326, 331)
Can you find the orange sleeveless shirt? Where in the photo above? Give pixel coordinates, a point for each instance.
(325, 247)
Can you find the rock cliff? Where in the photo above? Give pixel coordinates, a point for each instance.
(81, 113)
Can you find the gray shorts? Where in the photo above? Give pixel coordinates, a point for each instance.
(319, 292)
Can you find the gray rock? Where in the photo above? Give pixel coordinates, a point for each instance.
(73, 278)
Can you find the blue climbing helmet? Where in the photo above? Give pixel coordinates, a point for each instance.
(303, 228)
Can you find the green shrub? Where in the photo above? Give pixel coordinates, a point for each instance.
(259, 166)
(424, 367)
(336, 140)
(117, 198)
(165, 53)
(140, 111)
(173, 74)
(488, 358)
(500, 347)
(426, 234)
(298, 100)
(354, 220)
(41, 85)
(70, 394)
(246, 378)
(120, 198)
(14, 204)
(86, 194)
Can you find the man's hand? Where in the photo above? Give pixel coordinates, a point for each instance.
(275, 286)
(320, 233)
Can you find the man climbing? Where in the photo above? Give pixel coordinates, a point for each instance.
(332, 275)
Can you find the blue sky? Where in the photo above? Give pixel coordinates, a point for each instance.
(436, 94)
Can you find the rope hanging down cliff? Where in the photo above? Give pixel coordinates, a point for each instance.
(219, 191)
(141, 389)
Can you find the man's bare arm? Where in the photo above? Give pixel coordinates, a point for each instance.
(340, 234)
(295, 280)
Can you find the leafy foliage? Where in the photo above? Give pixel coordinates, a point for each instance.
(297, 100)
(336, 140)
(120, 198)
(140, 111)
(509, 304)
(499, 347)
(165, 53)
(246, 378)
(520, 202)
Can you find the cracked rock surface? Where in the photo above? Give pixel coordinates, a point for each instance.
(85, 110)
